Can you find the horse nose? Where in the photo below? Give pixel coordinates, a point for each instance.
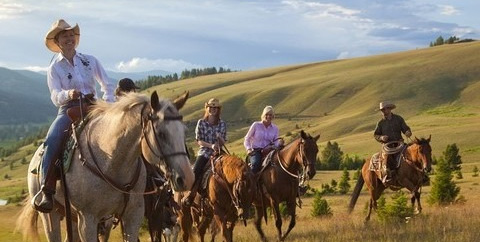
(180, 183)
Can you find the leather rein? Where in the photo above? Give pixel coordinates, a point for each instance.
(303, 157)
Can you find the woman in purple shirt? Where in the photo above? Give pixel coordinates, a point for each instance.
(262, 137)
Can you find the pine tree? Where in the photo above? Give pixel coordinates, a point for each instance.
(344, 186)
(444, 191)
(453, 159)
(331, 156)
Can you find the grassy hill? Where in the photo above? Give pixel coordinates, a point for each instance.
(435, 89)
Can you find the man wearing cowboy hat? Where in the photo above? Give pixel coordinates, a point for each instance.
(390, 128)
(69, 76)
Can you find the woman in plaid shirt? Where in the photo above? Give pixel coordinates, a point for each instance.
(211, 134)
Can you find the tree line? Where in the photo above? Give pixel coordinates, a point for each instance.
(450, 40)
(151, 81)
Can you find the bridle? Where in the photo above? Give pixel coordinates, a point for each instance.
(152, 117)
(300, 156)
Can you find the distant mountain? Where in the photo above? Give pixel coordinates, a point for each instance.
(24, 97)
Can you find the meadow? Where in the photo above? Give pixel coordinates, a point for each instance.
(457, 222)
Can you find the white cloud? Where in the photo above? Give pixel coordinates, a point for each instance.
(11, 10)
(448, 10)
(137, 64)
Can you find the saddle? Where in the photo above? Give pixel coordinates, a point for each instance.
(378, 161)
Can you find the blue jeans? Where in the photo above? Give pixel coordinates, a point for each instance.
(256, 160)
(56, 135)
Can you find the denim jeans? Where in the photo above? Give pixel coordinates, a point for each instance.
(56, 135)
(256, 160)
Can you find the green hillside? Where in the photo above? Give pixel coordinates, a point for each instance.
(435, 89)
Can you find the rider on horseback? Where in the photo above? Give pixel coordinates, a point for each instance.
(261, 138)
(68, 76)
(211, 134)
(390, 128)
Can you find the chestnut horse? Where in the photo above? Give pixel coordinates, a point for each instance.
(415, 164)
(279, 181)
(230, 193)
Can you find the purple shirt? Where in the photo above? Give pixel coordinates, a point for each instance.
(259, 136)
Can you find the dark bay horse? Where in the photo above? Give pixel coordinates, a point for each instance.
(416, 162)
(279, 181)
(230, 192)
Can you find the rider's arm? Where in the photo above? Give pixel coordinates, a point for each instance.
(248, 138)
(377, 134)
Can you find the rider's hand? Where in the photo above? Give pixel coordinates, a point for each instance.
(73, 94)
(249, 151)
(408, 133)
(384, 138)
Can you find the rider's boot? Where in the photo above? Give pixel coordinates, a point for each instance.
(47, 191)
(188, 200)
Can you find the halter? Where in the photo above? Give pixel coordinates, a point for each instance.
(303, 157)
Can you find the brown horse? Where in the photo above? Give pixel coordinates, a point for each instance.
(416, 162)
(279, 181)
(230, 193)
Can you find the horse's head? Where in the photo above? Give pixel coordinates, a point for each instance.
(163, 140)
(308, 151)
(422, 151)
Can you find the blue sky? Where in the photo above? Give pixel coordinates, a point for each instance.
(172, 35)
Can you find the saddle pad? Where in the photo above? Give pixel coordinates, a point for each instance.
(375, 162)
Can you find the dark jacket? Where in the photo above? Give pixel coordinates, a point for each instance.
(393, 128)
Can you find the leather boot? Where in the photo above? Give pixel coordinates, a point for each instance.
(47, 191)
(188, 200)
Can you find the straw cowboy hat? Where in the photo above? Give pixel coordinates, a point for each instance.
(57, 27)
(387, 104)
(213, 102)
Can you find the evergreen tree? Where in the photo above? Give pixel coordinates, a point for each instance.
(439, 41)
(331, 156)
(444, 191)
(452, 157)
(344, 186)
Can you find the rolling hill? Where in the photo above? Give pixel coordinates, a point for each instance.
(435, 89)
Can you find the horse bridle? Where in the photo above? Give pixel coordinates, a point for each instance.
(151, 118)
(303, 157)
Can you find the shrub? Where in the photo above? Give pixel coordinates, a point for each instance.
(444, 191)
(344, 186)
(320, 207)
(397, 210)
(475, 171)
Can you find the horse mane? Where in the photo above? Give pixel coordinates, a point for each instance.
(118, 115)
(233, 167)
(421, 141)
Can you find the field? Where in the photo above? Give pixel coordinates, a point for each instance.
(452, 223)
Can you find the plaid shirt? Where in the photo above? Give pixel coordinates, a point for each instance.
(206, 132)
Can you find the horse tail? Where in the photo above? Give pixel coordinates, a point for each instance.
(27, 221)
(356, 193)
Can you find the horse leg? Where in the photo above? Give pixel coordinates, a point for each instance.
(278, 220)
(258, 222)
(291, 211)
(419, 205)
(87, 227)
(51, 225)
(203, 225)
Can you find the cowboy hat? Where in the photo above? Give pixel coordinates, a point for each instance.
(213, 102)
(57, 27)
(387, 104)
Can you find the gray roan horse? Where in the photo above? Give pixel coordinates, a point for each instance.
(106, 162)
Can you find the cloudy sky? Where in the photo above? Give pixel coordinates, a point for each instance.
(172, 35)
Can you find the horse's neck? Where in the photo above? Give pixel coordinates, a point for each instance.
(412, 156)
(116, 144)
(288, 157)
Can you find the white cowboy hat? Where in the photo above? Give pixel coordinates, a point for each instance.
(387, 104)
(57, 27)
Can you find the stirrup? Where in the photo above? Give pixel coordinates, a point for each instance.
(37, 206)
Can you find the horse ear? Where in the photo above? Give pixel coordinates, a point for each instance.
(316, 138)
(303, 134)
(429, 138)
(180, 101)
(154, 101)
(416, 140)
